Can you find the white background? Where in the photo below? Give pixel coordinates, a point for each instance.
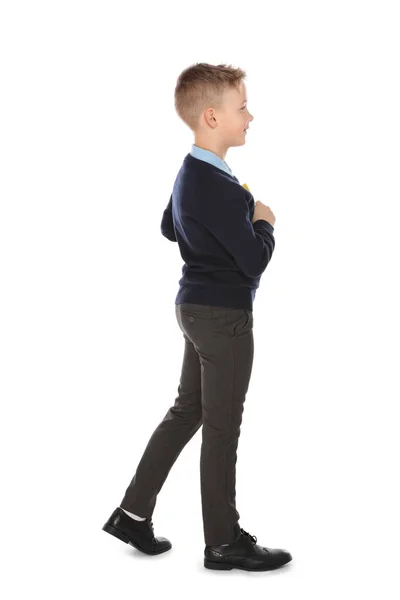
(90, 349)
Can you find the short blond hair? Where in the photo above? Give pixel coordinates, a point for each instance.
(202, 85)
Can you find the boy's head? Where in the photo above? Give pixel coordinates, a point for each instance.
(211, 100)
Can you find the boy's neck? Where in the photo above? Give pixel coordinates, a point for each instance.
(212, 147)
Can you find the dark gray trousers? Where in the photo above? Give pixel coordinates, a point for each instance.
(216, 370)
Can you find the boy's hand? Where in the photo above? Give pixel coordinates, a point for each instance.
(261, 211)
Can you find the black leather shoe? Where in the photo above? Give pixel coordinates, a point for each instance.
(139, 534)
(244, 554)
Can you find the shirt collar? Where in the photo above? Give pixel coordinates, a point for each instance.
(210, 157)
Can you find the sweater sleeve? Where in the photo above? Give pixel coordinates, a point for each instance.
(250, 244)
(167, 224)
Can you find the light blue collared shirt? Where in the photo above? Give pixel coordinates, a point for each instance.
(210, 157)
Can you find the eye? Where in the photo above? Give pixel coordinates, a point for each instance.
(243, 107)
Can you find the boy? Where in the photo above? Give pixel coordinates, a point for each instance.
(226, 241)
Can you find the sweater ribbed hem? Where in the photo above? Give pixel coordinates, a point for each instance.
(216, 296)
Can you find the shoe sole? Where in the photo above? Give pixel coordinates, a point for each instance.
(124, 538)
(218, 566)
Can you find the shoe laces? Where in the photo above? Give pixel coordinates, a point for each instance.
(253, 537)
(150, 522)
(154, 540)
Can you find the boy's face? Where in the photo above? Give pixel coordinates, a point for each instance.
(225, 126)
(235, 117)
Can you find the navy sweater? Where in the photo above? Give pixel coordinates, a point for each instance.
(209, 215)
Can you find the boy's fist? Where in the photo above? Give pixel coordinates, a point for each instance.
(261, 211)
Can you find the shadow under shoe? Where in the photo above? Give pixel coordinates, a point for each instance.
(139, 534)
(244, 554)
